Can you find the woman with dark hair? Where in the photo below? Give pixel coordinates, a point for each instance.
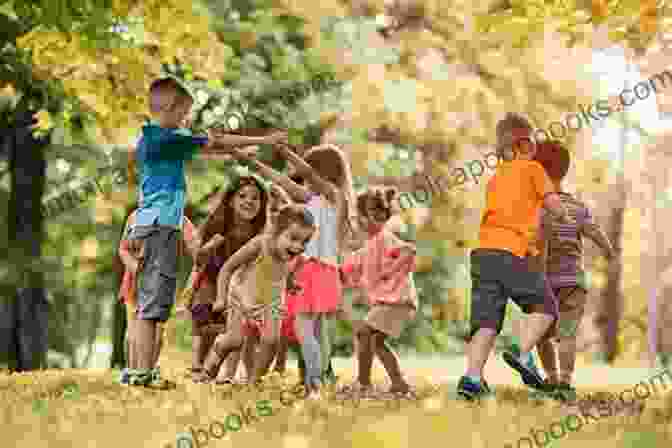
(239, 216)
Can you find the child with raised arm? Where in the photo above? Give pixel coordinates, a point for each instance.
(328, 194)
(255, 293)
(161, 153)
(383, 268)
(515, 194)
(563, 264)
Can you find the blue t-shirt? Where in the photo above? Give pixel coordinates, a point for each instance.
(161, 155)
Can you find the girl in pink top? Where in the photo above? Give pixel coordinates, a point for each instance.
(131, 262)
(383, 270)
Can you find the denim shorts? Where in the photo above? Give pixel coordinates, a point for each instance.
(496, 276)
(157, 274)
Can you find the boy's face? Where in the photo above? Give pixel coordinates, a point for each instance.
(175, 116)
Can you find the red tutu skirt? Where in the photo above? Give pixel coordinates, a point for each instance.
(320, 292)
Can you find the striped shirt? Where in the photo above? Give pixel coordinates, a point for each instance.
(564, 264)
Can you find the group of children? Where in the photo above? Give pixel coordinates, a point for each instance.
(530, 250)
(270, 265)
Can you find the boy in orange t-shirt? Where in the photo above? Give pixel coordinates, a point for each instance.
(499, 269)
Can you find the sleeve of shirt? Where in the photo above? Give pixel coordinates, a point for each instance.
(542, 183)
(172, 145)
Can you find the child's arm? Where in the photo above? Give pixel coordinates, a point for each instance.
(403, 254)
(130, 261)
(591, 230)
(192, 239)
(351, 270)
(246, 254)
(224, 144)
(128, 254)
(298, 192)
(204, 252)
(322, 186)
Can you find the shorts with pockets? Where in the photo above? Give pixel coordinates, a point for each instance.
(498, 275)
(157, 274)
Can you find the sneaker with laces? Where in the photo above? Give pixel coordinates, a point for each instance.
(528, 370)
(472, 390)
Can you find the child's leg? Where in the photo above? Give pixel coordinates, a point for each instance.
(201, 341)
(281, 357)
(223, 346)
(301, 363)
(548, 356)
(533, 293)
(268, 342)
(156, 286)
(145, 340)
(158, 344)
(389, 361)
(488, 306)
(232, 362)
(571, 312)
(365, 355)
(130, 337)
(249, 354)
(389, 320)
(306, 329)
(325, 331)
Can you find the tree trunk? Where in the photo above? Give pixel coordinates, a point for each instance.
(27, 321)
(611, 310)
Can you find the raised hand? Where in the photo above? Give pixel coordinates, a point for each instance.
(249, 152)
(280, 137)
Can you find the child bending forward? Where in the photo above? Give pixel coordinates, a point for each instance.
(383, 270)
(256, 292)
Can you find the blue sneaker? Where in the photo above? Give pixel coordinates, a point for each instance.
(528, 370)
(124, 377)
(472, 390)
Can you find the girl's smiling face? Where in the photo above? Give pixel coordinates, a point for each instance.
(246, 203)
(292, 241)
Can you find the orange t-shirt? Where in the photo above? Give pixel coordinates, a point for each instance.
(513, 201)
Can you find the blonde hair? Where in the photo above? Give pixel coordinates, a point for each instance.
(321, 156)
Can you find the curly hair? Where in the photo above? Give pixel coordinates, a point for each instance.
(382, 197)
(220, 220)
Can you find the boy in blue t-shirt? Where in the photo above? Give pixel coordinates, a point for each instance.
(161, 154)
